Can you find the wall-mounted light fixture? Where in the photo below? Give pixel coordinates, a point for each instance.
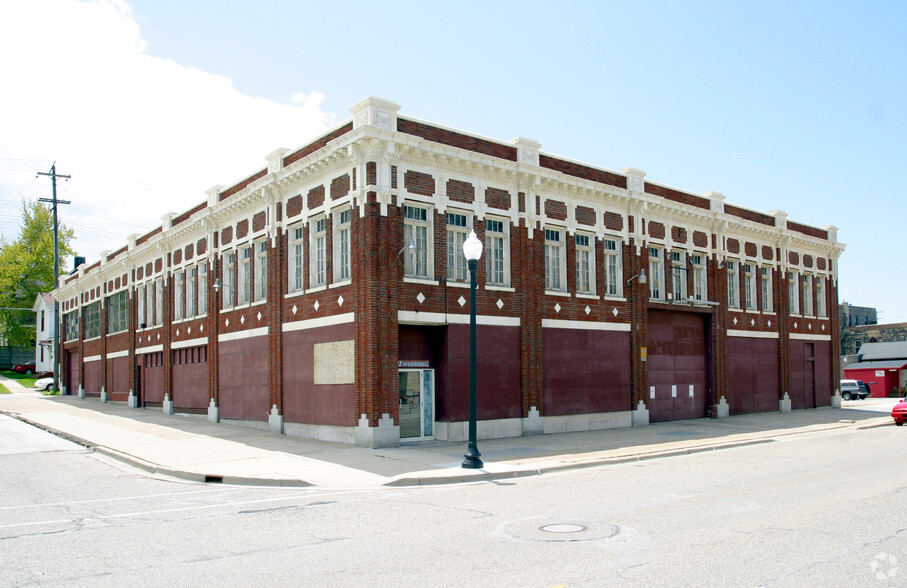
(641, 275)
(411, 246)
(218, 285)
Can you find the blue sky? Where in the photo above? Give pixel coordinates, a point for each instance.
(795, 106)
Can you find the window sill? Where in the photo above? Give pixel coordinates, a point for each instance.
(320, 288)
(341, 283)
(556, 293)
(493, 288)
(425, 281)
(457, 284)
(587, 296)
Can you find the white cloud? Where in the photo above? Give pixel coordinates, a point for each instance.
(140, 135)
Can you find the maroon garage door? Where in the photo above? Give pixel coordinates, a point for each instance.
(677, 365)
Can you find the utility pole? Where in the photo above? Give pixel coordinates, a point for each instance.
(58, 320)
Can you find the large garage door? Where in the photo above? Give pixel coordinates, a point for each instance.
(677, 361)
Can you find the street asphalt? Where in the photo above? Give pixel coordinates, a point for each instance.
(191, 447)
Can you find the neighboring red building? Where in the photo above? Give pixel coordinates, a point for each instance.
(326, 296)
(882, 366)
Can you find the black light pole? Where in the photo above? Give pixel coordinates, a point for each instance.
(472, 249)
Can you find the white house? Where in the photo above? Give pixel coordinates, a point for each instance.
(45, 324)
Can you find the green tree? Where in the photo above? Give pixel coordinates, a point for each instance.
(27, 268)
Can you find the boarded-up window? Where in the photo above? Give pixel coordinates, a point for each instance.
(335, 362)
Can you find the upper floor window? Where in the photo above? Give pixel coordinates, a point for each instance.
(296, 259)
(179, 295)
(159, 302)
(71, 326)
(229, 281)
(342, 224)
(191, 289)
(793, 292)
(497, 253)
(117, 312)
(820, 297)
(140, 306)
(416, 230)
(679, 275)
(555, 260)
(585, 264)
(656, 274)
(203, 288)
(93, 320)
(612, 265)
(766, 285)
(261, 269)
(244, 275)
(807, 295)
(318, 251)
(733, 284)
(700, 280)
(456, 235)
(749, 286)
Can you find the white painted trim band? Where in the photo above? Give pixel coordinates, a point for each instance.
(117, 354)
(91, 358)
(809, 337)
(584, 325)
(189, 343)
(259, 332)
(328, 321)
(752, 334)
(411, 317)
(149, 349)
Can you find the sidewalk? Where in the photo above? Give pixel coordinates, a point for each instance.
(193, 448)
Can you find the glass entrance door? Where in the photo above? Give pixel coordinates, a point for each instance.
(417, 404)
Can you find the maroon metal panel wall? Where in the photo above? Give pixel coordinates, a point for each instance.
(190, 385)
(74, 372)
(303, 401)
(824, 380)
(677, 358)
(243, 379)
(586, 371)
(119, 374)
(152, 383)
(810, 375)
(92, 377)
(497, 375)
(752, 375)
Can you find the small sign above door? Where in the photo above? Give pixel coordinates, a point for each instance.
(413, 364)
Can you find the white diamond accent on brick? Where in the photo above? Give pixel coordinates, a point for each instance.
(201, 328)
(735, 320)
(258, 316)
(795, 325)
(823, 327)
(499, 304)
(420, 297)
(588, 310)
(227, 323)
(294, 309)
(557, 307)
(177, 332)
(752, 322)
(769, 322)
(242, 320)
(809, 326)
(462, 301)
(158, 336)
(316, 305)
(614, 312)
(189, 330)
(340, 301)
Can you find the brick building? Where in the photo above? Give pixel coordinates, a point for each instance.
(326, 296)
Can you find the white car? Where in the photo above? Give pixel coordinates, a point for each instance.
(46, 384)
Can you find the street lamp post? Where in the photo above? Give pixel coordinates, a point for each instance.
(472, 249)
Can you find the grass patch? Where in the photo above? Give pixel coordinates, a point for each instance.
(51, 392)
(3, 390)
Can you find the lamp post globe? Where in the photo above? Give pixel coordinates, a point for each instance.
(472, 249)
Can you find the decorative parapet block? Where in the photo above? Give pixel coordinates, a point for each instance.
(527, 150)
(375, 112)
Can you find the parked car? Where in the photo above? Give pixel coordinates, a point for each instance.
(899, 412)
(851, 389)
(46, 384)
(25, 368)
(865, 388)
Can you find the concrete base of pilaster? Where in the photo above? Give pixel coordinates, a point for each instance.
(533, 424)
(784, 403)
(723, 409)
(213, 412)
(836, 400)
(640, 415)
(64, 391)
(133, 400)
(386, 434)
(81, 392)
(103, 394)
(275, 420)
(167, 405)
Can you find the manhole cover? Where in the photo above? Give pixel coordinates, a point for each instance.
(562, 528)
(553, 530)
